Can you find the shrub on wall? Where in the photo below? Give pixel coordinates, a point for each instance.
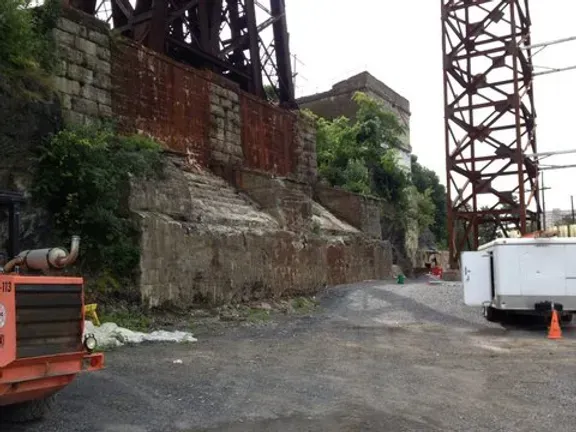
(360, 155)
(27, 45)
(81, 178)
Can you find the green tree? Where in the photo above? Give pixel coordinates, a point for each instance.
(81, 179)
(26, 44)
(360, 156)
(271, 93)
(427, 181)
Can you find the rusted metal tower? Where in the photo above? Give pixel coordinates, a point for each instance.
(492, 177)
(226, 36)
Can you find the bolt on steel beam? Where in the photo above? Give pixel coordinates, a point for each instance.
(489, 120)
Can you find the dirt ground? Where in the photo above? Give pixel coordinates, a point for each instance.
(375, 357)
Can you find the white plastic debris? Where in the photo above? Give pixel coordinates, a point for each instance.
(109, 335)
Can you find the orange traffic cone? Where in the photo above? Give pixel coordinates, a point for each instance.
(554, 332)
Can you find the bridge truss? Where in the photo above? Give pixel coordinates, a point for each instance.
(243, 40)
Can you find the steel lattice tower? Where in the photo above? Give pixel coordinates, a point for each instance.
(489, 120)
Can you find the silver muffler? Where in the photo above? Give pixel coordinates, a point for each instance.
(45, 259)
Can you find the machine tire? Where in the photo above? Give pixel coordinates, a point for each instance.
(27, 411)
(492, 314)
(567, 318)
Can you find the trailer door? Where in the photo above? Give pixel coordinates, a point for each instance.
(476, 278)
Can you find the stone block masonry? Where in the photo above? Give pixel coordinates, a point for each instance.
(225, 127)
(83, 76)
(201, 239)
(191, 112)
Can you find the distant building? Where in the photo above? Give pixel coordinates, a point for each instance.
(557, 217)
(338, 102)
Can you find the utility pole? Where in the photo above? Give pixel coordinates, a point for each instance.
(543, 204)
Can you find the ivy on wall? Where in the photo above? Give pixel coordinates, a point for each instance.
(81, 178)
(27, 46)
(360, 156)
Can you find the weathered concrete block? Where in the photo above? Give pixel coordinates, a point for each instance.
(67, 86)
(218, 134)
(86, 46)
(99, 38)
(218, 123)
(234, 139)
(102, 81)
(217, 110)
(105, 110)
(233, 117)
(220, 157)
(85, 106)
(103, 53)
(66, 101)
(97, 95)
(91, 61)
(80, 74)
(73, 118)
(68, 26)
(64, 38)
(103, 67)
(71, 54)
(233, 96)
(226, 104)
(61, 68)
(217, 90)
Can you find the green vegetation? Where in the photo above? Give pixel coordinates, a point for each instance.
(255, 315)
(304, 305)
(81, 178)
(132, 319)
(427, 181)
(27, 47)
(360, 156)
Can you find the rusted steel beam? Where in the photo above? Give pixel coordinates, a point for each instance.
(253, 43)
(489, 119)
(281, 44)
(222, 35)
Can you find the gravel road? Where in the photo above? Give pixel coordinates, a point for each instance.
(376, 357)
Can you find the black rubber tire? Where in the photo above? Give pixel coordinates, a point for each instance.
(493, 315)
(27, 411)
(567, 318)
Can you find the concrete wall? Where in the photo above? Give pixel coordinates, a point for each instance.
(191, 112)
(202, 240)
(359, 211)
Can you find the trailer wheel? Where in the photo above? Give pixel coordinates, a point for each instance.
(492, 314)
(567, 318)
(27, 411)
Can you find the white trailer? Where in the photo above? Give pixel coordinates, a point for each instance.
(521, 276)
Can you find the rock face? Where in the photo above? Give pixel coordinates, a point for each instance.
(235, 216)
(28, 118)
(202, 241)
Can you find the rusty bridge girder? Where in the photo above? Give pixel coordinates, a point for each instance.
(489, 120)
(224, 36)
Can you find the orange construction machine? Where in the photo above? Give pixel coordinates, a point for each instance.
(42, 341)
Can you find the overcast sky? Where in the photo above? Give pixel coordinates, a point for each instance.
(399, 42)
